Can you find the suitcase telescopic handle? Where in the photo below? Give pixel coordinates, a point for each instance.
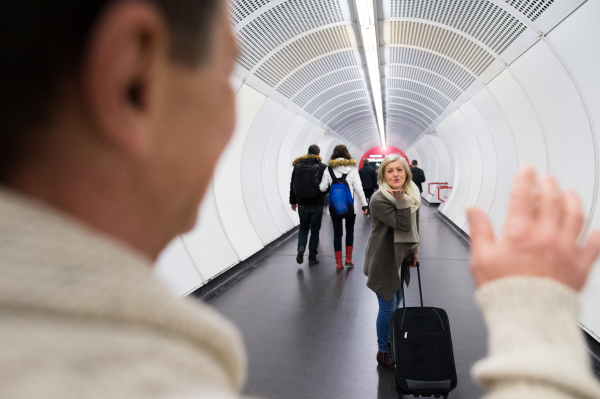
(407, 263)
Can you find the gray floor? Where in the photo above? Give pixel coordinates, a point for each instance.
(310, 332)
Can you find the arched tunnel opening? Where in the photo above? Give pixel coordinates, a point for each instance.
(471, 89)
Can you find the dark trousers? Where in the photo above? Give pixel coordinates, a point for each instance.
(338, 232)
(310, 219)
(368, 193)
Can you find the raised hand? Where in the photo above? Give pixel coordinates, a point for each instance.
(397, 194)
(539, 237)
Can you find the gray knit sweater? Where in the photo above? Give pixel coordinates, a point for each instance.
(82, 316)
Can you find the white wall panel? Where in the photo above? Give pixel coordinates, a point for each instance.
(448, 174)
(326, 145)
(227, 178)
(529, 138)
(506, 154)
(435, 163)
(284, 165)
(251, 170)
(445, 170)
(563, 117)
(313, 137)
(326, 154)
(277, 207)
(462, 175)
(576, 41)
(207, 243)
(474, 166)
(300, 147)
(488, 160)
(424, 153)
(175, 268)
(412, 154)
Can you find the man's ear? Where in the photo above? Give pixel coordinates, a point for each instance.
(124, 72)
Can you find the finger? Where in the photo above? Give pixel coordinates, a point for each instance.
(552, 204)
(520, 209)
(573, 216)
(591, 250)
(481, 229)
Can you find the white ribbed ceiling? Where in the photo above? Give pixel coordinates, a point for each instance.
(434, 54)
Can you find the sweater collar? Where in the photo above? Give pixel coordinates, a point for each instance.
(51, 263)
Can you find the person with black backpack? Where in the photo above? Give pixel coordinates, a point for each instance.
(368, 178)
(342, 181)
(307, 198)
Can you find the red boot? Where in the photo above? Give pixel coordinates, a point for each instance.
(349, 256)
(338, 261)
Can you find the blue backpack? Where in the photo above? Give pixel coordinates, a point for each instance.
(341, 203)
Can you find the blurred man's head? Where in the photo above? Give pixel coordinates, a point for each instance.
(414, 162)
(116, 111)
(365, 162)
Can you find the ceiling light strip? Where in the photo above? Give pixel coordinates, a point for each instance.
(367, 23)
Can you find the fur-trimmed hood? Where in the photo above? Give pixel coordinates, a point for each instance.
(306, 157)
(334, 163)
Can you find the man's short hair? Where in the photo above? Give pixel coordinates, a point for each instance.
(314, 150)
(43, 43)
(414, 162)
(365, 161)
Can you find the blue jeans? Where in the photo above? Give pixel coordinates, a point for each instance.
(383, 319)
(310, 219)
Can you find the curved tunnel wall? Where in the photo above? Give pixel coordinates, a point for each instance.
(471, 113)
(542, 110)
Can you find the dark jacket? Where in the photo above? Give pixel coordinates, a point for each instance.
(307, 201)
(418, 176)
(368, 177)
(384, 256)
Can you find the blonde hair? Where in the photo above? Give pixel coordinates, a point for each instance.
(388, 160)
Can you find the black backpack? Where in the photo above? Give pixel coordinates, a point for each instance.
(416, 176)
(307, 180)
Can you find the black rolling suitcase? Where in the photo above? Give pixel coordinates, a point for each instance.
(421, 350)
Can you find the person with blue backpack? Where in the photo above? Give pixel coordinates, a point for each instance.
(343, 180)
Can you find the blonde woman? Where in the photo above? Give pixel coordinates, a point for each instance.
(394, 238)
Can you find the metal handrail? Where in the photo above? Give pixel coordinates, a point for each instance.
(443, 188)
(429, 186)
